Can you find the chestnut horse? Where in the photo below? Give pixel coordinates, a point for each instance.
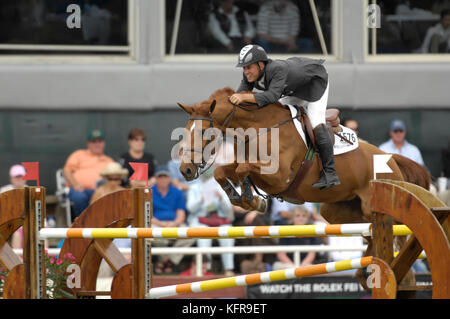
(344, 203)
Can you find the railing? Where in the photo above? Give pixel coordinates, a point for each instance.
(200, 251)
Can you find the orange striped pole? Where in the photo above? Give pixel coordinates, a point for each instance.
(253, 279)
(219, 232)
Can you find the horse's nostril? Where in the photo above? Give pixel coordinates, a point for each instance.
(188, 171)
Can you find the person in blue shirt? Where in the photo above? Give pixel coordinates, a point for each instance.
(399, 145)
(168, 201)
(169, 210)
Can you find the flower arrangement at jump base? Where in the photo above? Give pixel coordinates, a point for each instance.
(57, 276)
(3, 274)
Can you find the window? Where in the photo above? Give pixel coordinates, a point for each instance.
(409, 27)
(225, 26)
(48, 27)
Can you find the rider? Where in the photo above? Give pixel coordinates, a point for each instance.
(296, 81)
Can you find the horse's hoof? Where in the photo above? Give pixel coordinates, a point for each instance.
(262, 205)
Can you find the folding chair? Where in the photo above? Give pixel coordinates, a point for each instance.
(62, 192)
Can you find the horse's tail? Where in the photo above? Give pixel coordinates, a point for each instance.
(412, 171)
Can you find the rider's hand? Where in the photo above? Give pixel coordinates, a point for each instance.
(236, 98)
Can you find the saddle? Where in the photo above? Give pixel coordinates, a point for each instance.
(332, 121)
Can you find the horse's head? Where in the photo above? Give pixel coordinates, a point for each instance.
(203, 127)
(192, 149)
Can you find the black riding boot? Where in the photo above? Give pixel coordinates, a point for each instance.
(328, 176)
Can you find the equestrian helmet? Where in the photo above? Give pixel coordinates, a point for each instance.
(250, 54)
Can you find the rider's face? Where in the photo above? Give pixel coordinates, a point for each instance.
(253, 71)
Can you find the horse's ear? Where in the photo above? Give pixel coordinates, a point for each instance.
(187, 109)
(213, 105)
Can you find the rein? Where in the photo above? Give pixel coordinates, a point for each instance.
(243, 107)
(200, 168)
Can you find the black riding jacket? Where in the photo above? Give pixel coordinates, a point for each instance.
(304, 78)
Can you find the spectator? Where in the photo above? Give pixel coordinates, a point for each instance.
(399, 145)
(168, 211)
(252, 263)
(437, 39)
(82, 170)
(136, 153)
(278, 26)
(230, 26)
(16, 173)
(208, 205)
(191, 271)
(351, 124)
(300, 216)
(114, 174)
(281, 212)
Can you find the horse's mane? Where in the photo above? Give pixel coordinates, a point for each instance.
(221, 93)
(218, 95)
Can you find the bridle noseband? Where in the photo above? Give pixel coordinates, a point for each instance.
(199, 166)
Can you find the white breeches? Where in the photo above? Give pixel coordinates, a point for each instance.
(315, 110)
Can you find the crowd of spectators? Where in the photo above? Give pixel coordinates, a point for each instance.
(91, 174)
(287, 26)
(225, 26)
(412, 26)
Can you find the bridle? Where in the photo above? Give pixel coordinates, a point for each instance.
(200, 167)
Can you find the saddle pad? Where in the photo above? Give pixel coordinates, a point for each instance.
(341, 146)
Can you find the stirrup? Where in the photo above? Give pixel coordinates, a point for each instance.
(323, 182)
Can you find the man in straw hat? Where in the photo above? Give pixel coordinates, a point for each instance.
(114, 174)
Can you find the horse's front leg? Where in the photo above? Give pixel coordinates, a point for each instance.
(222, 174)
(255, 202)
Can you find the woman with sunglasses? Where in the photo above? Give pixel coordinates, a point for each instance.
(136, 154)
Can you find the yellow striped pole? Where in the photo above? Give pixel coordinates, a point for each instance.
(220, 232)
(253, 279)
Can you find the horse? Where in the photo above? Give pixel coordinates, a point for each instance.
(341, 204)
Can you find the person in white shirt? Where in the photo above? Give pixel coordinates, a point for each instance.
(437, 39)
(399, 145)
(208, 205)
(230, 26)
